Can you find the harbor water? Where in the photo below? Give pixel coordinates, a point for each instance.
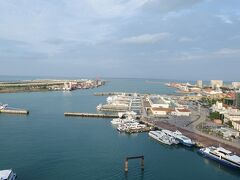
(46, 145)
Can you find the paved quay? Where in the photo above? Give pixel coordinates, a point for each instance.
(198, 137)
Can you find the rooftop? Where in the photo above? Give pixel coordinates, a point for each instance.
(183, 110)
(163, 109)
(157, 100)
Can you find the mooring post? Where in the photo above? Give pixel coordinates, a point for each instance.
(126, 165)
(142, 163)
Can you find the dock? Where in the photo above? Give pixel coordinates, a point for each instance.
(15, 111)
(90, 115)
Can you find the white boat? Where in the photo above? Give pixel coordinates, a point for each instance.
(7, 175)
(99, 107)
(130, 126)
(161, 137)
(127, 114)
(112, 99)
(222, 156)
(183, 139)
(3, 106)
(170, 134)
(122, 127)
(118, 121)
(137, 126)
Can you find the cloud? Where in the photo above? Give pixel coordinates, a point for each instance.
(225, 18)
(164, 6)
(113, 8)
(145, 38)
(228, 52)
(222, 53)
(186, 39)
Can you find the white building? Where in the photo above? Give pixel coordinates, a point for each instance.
(236, 85)
(158, 102)
(229, 113)
(200, 83)
(228, 132)
(161, 111)
(218, 107)
(236, 125)
(216, 83)
(232, 115)
(181, 112)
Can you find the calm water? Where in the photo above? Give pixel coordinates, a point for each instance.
(46, 145)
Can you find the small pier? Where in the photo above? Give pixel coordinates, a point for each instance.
(90, 115)
(134, 157)
(147, 123)
(15, 111)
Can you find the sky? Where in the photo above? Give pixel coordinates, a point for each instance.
(164, 39)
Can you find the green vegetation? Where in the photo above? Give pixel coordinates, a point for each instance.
(214, 115)
(209, 101)
(229, 123)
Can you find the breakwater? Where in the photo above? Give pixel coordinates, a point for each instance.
(15, 111)
(90, 115)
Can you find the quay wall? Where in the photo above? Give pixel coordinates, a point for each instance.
(90, 115)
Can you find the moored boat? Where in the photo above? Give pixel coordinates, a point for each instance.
(3, 106)
(179, 137)
(161, 137)
(7, 175)
(183, 139)
(118, 121)
(221, 155)
(170, 134)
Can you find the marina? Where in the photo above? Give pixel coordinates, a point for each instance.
(81, 146)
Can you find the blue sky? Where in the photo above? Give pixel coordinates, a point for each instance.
(168, 39)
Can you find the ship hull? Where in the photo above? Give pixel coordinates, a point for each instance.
(160, 140)
(221, 161)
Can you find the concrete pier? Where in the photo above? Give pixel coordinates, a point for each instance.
(15, 111)
(90, 115)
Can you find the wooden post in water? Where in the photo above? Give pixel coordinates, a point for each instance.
(135, 157)
(142, 163)
(126, 165)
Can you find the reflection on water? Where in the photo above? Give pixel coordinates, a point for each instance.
(219, 167)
